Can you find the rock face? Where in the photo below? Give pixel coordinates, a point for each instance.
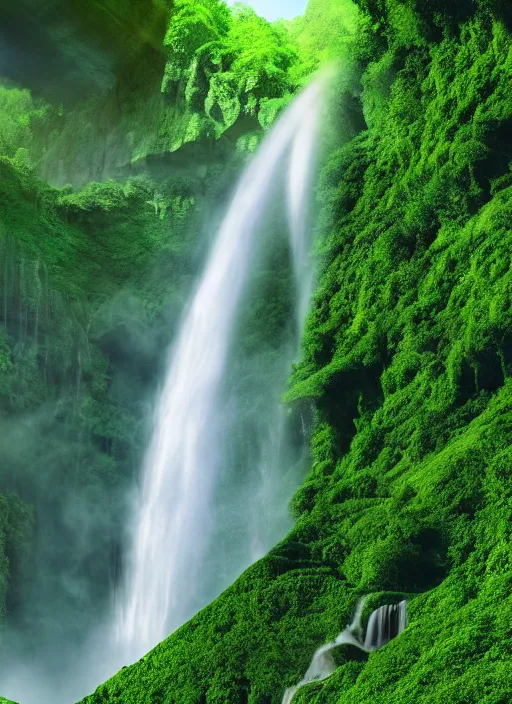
(109, 114)
(66, 50)
(133, 129)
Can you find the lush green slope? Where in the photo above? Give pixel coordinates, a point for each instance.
(407, 363)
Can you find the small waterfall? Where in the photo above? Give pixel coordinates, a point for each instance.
(384, 624)
(176, 515)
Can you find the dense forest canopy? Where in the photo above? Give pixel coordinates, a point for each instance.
(122, 133)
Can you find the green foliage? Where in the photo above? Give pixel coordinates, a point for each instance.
(222, 63)
(87, 281)
(16, 528)
(18, 114)
(323, 34)
(263, 54)
(193, 25)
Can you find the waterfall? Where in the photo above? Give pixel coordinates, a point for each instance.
(299, 182)
(266, 512)
(176, 515)
(384, 624)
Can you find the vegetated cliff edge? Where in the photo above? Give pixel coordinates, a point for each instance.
(407, 362)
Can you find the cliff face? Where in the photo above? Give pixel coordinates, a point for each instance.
(63, 51)
(207, 83)
(407, 363)
(133, 129)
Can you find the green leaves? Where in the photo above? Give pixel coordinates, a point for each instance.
(193, 24)
(223, 64)
(18, 112)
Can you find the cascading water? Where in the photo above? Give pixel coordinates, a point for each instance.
(299, 182)
(176, 514)
(264, 509)
(384, 624)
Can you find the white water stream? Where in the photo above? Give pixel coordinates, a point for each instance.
(384, 624)
(300, 177)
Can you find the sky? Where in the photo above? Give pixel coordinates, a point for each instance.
(275, 9)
